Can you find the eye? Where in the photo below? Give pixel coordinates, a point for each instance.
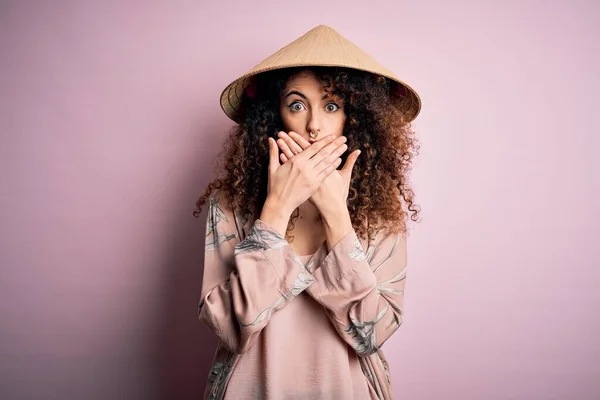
(332, 107)
(296, 106)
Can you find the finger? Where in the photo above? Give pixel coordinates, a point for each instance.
(350, 161)
(283, 158)
(330, 169)
(300, 140)
(327, 161)
(285, 148)
(327, 151)
(294, 147)
(273, 155)
(314, 148)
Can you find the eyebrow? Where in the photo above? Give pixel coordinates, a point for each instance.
(301, 95)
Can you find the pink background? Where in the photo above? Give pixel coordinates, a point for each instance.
(109, 123)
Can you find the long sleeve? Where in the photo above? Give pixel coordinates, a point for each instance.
(363, 293)
(245, 280)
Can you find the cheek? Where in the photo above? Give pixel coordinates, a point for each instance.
(292, 123)
(337, 125)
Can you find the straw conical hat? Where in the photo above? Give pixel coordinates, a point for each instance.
(321, 46)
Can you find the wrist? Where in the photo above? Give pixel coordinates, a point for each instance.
(335, 214)
(336, 226)
(276, 215)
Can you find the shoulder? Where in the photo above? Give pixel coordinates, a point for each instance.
(386, 244)
(222, 217)
(218, 204)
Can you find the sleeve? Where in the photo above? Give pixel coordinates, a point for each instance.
(363, 294)
(245, 282)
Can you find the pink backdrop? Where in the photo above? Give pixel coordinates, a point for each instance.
(109, 122)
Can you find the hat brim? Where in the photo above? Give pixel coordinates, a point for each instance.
(322, 46)
(231, 96)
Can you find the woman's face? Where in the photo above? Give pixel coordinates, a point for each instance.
(305, 107)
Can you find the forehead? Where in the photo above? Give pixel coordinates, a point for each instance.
(305, 79)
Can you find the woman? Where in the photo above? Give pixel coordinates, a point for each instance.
(304, 270)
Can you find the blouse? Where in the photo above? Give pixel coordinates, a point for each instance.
(298, 327)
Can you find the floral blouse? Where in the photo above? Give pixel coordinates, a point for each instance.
(298, 327)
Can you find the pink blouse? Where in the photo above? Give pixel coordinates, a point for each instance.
(298, 327)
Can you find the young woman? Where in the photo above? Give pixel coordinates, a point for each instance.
(305, 259)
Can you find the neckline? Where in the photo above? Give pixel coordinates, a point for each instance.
(307, 256)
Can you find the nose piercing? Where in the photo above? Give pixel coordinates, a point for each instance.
(312, 133)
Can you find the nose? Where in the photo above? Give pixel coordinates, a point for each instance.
(313, 127)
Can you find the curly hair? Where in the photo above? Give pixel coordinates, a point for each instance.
(380, 195)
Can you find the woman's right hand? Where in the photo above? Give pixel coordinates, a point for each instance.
(292, 183)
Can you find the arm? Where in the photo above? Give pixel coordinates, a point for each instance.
(363, 293)
(245, 281)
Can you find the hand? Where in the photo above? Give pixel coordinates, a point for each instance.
(332, 194)
(293, 183)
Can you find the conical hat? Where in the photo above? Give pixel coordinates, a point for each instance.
(321, 46)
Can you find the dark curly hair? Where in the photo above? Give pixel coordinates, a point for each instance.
(380, 196)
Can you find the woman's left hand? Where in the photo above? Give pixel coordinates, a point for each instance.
(332, 195)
